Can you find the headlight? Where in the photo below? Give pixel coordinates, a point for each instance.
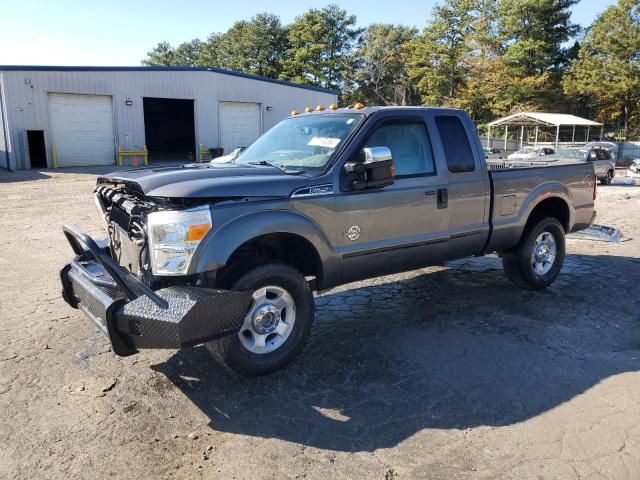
(174, 237)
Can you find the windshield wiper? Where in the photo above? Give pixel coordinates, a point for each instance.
(279, 167)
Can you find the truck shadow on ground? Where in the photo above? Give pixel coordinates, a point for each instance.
(439, 348)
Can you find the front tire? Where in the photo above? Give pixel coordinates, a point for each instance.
(277, 326)
(537, 260)
(606, 180)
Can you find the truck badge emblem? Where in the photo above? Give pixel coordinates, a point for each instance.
(353, 233)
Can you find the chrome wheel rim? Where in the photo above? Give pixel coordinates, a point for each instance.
(270, 320)
(544, 253)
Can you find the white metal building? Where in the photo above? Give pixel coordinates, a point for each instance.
(72, 116)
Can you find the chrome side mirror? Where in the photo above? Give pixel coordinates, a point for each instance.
(375, 171)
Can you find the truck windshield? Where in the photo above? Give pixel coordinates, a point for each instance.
(307, 142)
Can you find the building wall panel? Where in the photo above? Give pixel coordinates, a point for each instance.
(27, 104)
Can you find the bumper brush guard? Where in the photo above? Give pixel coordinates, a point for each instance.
(133, 315)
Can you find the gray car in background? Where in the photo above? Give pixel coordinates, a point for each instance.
(603, 163)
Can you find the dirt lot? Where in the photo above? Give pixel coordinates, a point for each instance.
(439, 373)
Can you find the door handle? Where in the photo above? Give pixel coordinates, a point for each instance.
(430, 193)
(443, 198)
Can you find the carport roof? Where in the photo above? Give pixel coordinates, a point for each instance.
(50, 68)
(543, 119)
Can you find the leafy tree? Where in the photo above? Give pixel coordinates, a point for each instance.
(607, 68)
(162, 54)
(256, 46)
(485, 75)
(382, 65)
(165, 55)
(321, 48)
(437, 61)
(187, 53)
(208, 55)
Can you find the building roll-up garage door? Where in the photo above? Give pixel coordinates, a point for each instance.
(81, 128)
(240, 124)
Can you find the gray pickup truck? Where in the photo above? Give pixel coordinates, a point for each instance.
(229, 255)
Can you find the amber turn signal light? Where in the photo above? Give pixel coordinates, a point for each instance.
(196, 233)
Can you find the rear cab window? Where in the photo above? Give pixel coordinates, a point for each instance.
(455, 142)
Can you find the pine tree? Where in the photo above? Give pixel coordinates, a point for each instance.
(321, 48)
(607, 68)
(436, 66)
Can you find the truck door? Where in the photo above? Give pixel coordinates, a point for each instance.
(468, 183)
(402, 226)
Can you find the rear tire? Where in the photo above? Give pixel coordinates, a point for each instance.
(537, 260)
(280, 293)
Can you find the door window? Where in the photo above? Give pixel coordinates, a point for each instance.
(409, 144)
(455, 142)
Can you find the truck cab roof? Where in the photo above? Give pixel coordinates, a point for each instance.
(373, 109)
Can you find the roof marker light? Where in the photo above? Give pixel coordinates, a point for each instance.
(308, 109)
(358, 106)
(333, 106)
(319, 108)
(294, 112)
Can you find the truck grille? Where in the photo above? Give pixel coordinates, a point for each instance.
(124, 212)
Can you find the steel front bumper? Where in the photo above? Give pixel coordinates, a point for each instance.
(134, 316)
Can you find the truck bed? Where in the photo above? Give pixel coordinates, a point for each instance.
(514, 194)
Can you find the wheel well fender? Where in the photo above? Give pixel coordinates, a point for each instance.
(307, 249)
(551, 205)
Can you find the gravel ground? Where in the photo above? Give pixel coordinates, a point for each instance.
(446, 372)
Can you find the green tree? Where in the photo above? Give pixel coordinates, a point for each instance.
(162, 54)
(485, 76)
(321, 48)
(607, 68)
(382, 65)
(437, 61)
(534, 35)
(187, 53)
(256, 46)
(208, 55)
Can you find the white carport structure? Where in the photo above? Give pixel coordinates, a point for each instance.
(542, 120)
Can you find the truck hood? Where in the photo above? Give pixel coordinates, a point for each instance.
(208, 181)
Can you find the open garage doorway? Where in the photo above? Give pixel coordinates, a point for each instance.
(37, 150)
(169, 129)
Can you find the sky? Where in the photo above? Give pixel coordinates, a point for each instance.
(120, 32)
